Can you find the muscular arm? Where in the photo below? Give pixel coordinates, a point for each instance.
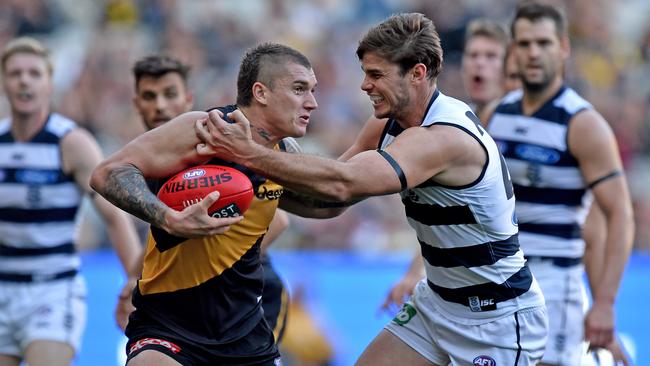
(81, 154)
(420, 152)
(158, 153)
(308, 206)
(592, 143)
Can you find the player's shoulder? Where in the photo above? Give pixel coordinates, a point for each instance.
(569, 100)
(60, 125)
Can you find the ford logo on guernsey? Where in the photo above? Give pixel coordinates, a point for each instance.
(194, 173)
(484, 361)
(537, 154)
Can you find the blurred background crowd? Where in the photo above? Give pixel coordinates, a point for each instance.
(94, 44)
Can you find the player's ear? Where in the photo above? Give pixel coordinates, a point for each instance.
(260, 93)
(418, 72)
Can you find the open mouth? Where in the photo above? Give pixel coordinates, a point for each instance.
(24, 96)
(376, 99)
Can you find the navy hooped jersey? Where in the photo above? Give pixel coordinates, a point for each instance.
(552, 196)
(38, 202)
(468, 234)
(208, 289)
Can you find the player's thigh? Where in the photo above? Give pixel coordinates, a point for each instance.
(48, 353)
(387, 349)
(152, 358)
(7, 360)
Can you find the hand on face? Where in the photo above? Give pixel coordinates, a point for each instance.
(229, 141)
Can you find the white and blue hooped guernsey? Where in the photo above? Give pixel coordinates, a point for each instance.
(552, 196)
(38, 205)
(468, 234)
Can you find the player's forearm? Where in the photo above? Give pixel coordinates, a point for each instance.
(126, 188)
(618, 247)
(312, 175)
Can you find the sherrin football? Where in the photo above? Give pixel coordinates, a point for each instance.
(193, 184)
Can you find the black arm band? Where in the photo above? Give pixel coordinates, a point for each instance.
(398, 169)
(613, 174)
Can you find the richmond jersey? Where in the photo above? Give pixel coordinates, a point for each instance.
(38, 203)
(552, 199)
(208, 289)
(468, 234)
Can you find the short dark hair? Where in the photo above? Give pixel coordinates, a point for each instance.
(486, 28)
(535, 11)
(261, 63)
(405, 39)
(157, 66)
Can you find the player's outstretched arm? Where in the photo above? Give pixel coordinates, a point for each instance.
(158, 153)
(593, 144)
(416, 155)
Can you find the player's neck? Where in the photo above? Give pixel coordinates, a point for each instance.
(25, 126)
(259, 132)
(414, 116)
(535, 99)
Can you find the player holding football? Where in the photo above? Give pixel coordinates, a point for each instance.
(198, 301)
(161, 94)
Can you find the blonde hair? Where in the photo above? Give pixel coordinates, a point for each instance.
(26, 45)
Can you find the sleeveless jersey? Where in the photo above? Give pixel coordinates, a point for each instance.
(208, 289)
(38, 203)
(468, 234)
(552, 199)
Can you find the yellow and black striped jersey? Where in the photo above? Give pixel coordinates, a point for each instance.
(208, 289)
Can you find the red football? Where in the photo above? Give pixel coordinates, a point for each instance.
(192, 184)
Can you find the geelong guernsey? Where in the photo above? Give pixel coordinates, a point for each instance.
(552, 199)
(468, 234)
(38, 203)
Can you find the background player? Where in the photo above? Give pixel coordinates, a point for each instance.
(557, 148)
(45, 161)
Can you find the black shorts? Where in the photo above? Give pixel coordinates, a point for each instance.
(275, 300)
(257, 348)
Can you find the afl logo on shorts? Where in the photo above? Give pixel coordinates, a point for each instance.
(194, 174)
(484, 361)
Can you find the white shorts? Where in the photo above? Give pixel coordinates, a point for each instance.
(516, 339)
(50, 310)
(564, 291)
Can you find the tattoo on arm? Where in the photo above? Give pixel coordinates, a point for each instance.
(127, 189)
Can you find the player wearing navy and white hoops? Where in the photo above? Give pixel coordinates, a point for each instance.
(45, 166)
(560, 151)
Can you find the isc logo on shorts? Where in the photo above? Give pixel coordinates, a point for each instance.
(477, 304)
(405, 315)
(153, 341)
(484, 361)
